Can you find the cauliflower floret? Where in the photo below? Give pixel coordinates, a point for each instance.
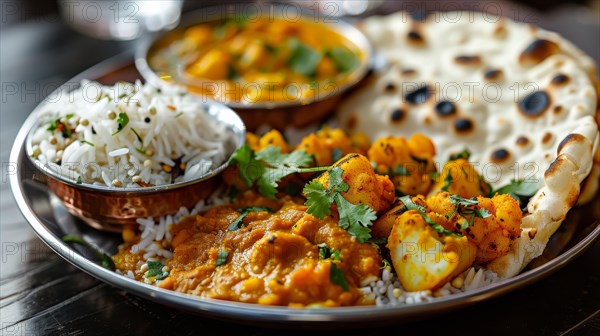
(365, 187)
(422, 258)
(460, 177)
(494, 235)
(408, 163)
(329, 145)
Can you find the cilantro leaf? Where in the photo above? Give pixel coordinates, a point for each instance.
(279, 166)
(356, 219)
(238, 222)
(344, 59)
(122, 121)
(53, 125)
(337, 276)
(105, 260)
(401, 171)
(317, 199)
(249, 168)
(87, 142)
(469, 208)
(325, 252)
(155, 270)
(222, 256)
(336, 182)
(410, 205)
(303, 59)
(525, 188)
(447, 182)
(465, 154)
(336, 154)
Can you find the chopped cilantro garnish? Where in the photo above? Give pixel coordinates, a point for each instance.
(337, 276)
(155, 270)
(468, 206)
(122, 121)
(105, 260)
(447, 182)
(222, 256)
(336, 154)
(356, 219)
(79, 181)
(410, 205)
(465, 154)
(344, 59)
(386, 264)
(238, 222)
(53, 125)
(325, 252)
(400, 170)
(87, 142)
(303, 59)
(70, 115)
(141, 149)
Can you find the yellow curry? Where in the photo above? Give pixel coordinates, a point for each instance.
(257, 60)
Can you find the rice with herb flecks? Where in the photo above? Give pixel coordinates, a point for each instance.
(129, 135)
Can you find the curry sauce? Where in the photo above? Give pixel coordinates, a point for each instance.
(272, 259)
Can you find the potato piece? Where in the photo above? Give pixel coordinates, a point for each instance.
(326, 144)
(493, 236)
(464, 180)
(366, 187)
(214, 65)
(422, 258)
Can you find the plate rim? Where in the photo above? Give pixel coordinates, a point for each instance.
(256, 312)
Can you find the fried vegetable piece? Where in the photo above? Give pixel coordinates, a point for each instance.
(493, 235)
(460, 177)
(365, 187)
(409, 163)
(330, 144)
(422, 258)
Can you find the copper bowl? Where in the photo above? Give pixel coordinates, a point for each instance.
(109, 209)
(276, 114)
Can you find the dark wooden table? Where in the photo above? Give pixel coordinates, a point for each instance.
(40, 293)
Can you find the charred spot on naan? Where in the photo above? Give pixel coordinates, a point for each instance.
(534, 104)
(468, 60)
(522, 141)
(493, 75)
(419, 96)
(547, 139)
(560, 80)
(537, 51)
(397, 115)
(570, 140)
(445, 109)
(501, 155)
(464, 126)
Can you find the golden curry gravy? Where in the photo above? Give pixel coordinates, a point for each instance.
(273, 258)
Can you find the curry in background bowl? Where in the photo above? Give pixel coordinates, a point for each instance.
(271, 70)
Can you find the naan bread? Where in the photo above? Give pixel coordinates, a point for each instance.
(523, 100)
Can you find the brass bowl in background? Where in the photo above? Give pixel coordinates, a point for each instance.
(276, 114)
(108, 208)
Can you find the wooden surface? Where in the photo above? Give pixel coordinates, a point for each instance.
(42, 294)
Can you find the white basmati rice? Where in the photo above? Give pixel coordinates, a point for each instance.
(105, 135)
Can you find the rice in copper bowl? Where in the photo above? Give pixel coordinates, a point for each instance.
(128, 135)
